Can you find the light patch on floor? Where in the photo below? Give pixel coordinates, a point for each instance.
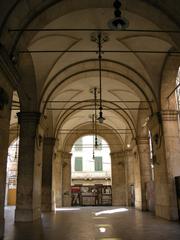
(112, 211)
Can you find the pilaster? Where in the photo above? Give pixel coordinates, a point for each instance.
(57, 178)
(118, 179)
(172, 154)
(129, 172)
(66, 180)
(145, 170)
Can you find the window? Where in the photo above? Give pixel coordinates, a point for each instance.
(78, 145)
(98, 164)
(78, 164)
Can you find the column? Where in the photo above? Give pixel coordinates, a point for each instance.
(57, 179)
(145, 171)
(129, 169)
(118, 179)
(47, 202)
(4, 141)
(168, 167)
(66, 180)
(28, 202)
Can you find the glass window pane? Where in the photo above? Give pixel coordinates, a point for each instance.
(98, 164)
(78, 163)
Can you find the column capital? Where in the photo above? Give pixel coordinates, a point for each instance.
(142, 140)
(66, 155)
(169, 115)
(28, 117)
(117, 154)
(129, 152)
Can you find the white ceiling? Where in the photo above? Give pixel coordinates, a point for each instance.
(70, 76)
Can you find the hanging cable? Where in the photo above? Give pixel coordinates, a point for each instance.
(95, 117)
(100, 118)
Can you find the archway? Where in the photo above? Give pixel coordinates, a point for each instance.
(91, 172)
(120, 163)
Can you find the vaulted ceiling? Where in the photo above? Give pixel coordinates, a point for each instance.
(130, 78)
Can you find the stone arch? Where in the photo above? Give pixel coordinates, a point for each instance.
(168, 83)
(118, 159)
(29, 102)
(110, 139)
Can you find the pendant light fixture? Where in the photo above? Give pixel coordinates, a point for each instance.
(100, 38)
(118, 22)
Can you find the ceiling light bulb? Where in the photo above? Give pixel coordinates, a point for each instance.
(101, 118)
(118, 23)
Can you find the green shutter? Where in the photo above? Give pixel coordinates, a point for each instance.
(78, 163)
(98, 164)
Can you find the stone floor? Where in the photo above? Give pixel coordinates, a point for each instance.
(105, 223)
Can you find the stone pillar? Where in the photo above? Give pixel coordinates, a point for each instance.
(118, 179)
(166, 142)
(28, 202)
(172, 155)
(145, 170)
(57, 179)
(129, 170)
(47, 203)
(137, 179)
(4, 141)
(66, 179)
